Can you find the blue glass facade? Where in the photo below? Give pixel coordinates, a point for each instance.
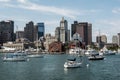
(41, 30)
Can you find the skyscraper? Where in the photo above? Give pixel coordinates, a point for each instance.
(41, 29)
(62, 33)
(29, 31)
(57, 33)
(84, 29)
(6, 31)
(115, 39)
(63, 30)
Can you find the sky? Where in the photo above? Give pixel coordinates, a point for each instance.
(103, 14)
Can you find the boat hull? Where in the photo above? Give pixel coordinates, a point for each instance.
(96, 58)
(72, 65)
(14, 59)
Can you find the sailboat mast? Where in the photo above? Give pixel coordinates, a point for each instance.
(37, 41)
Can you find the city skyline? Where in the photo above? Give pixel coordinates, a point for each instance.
(104, 15)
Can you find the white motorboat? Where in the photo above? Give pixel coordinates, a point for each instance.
(91, 52)
(72, 63)
(110, 52)
(17, 56)
(107, 52)
(96, 57)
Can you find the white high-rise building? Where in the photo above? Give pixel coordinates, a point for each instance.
(64, 32)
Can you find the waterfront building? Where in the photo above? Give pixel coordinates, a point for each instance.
(77, 37)
(84, 29)
(19, 34)
(19, 44)
(76, 41)
(56, 47)
(29, 31)
(48, 40)
(6, 31)
(119, 39)
(104, 38)
(115, 39)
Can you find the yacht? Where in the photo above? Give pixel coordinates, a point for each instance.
(90, 52)
(17, 56)
(72, 63)
(96, 57)
(107, 52)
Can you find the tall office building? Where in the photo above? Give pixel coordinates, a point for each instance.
(62, 33)
(57, 33)
(68, 35)
(39, 31)
(104, 38)
(84, 29)
(63, 30)
(89, 33)
(119, 39)
(6, 31)
(115, 39)
(29, 31)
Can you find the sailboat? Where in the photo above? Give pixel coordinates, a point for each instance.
(76, 53)
(72, 63)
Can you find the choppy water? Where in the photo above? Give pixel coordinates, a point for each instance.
(51, 68)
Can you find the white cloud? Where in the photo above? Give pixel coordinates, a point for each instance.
(116, 11)
(51, 9)
(22, 1)
(52, 23)
(5, 0)
(26, 4)
(108, 27)
(111, 23)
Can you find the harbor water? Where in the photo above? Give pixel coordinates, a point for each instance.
(51, 68)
